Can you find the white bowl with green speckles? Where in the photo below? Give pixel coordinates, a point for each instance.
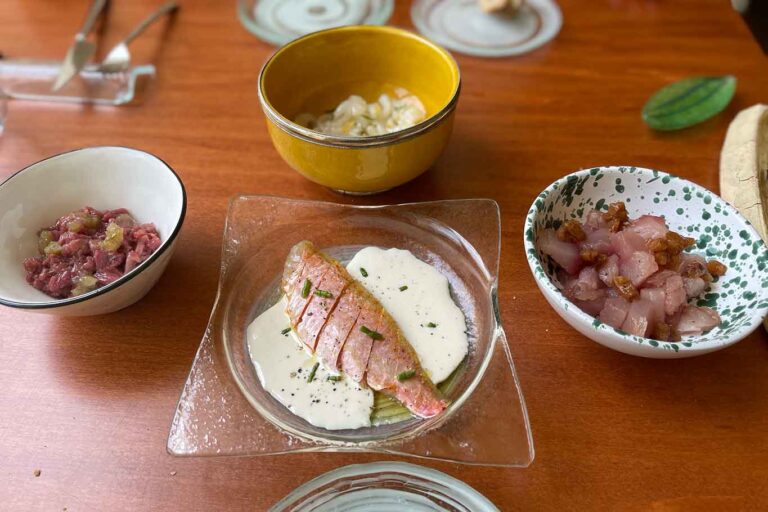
(740, 296)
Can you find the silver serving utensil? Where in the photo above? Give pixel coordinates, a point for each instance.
(82, 49)
(119, 58)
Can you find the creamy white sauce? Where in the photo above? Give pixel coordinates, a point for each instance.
(424, 311)
(425, 303)
(283, 367)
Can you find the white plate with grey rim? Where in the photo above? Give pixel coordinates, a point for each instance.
(461, 25)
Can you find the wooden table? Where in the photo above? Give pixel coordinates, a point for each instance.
(89, 401)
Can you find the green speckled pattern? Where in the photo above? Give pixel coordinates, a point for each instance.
(740, 296)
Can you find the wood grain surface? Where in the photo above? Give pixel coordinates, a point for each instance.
(89, 401)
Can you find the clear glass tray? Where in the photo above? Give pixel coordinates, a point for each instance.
(223, 410)
(33, 79)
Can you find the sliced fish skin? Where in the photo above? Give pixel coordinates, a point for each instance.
(394, 356)
(357, 347)
(314, 269)
(334, 334)
(320, 308)
(332, 327)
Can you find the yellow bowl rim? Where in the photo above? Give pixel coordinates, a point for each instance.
(308, 135)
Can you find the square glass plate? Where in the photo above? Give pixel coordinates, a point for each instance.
(223, 410)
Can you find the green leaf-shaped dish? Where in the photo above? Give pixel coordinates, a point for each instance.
(689, 102)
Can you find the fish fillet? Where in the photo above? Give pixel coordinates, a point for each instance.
(348, 329)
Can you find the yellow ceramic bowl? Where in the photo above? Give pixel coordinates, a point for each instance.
(318, 71)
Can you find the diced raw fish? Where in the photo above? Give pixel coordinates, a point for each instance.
(565, 254)
(648, 227)
(638, 267)
(694, 286)
(675, 296)
(626, 243)
(586, 286)
(614, 312)
(595, 306)
(657, 298)
(658, 279)
(609, 270)
(640, 318)
(598, 240)
(594, 221)
(697, 320)
(693, 265)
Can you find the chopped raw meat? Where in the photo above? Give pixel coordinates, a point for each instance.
(565, 254)
(648, 227)
(595, 306)
(585, 287)
(640, 318)
(87, 249)
(675, 294)
(697, 320)
(694, 286)
(626, 243)
(658, 279)
(632, 274)
(614, 312)
(693, 265)
(598, 240)
(609, 270)
(638, 267)
(594, 222)
(657, 298)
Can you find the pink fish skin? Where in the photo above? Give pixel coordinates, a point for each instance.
(334, 334)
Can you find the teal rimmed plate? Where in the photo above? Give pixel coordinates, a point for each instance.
(740, 296)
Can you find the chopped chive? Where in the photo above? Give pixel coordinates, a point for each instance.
(407, 374)
(285, 331)
(431, 325)
(324, 293)
(403, 288)
(335, 378)
(305, 288)
(373, 334)
(312, 372)
(363, 272)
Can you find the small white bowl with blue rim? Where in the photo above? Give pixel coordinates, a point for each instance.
(721, 232)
